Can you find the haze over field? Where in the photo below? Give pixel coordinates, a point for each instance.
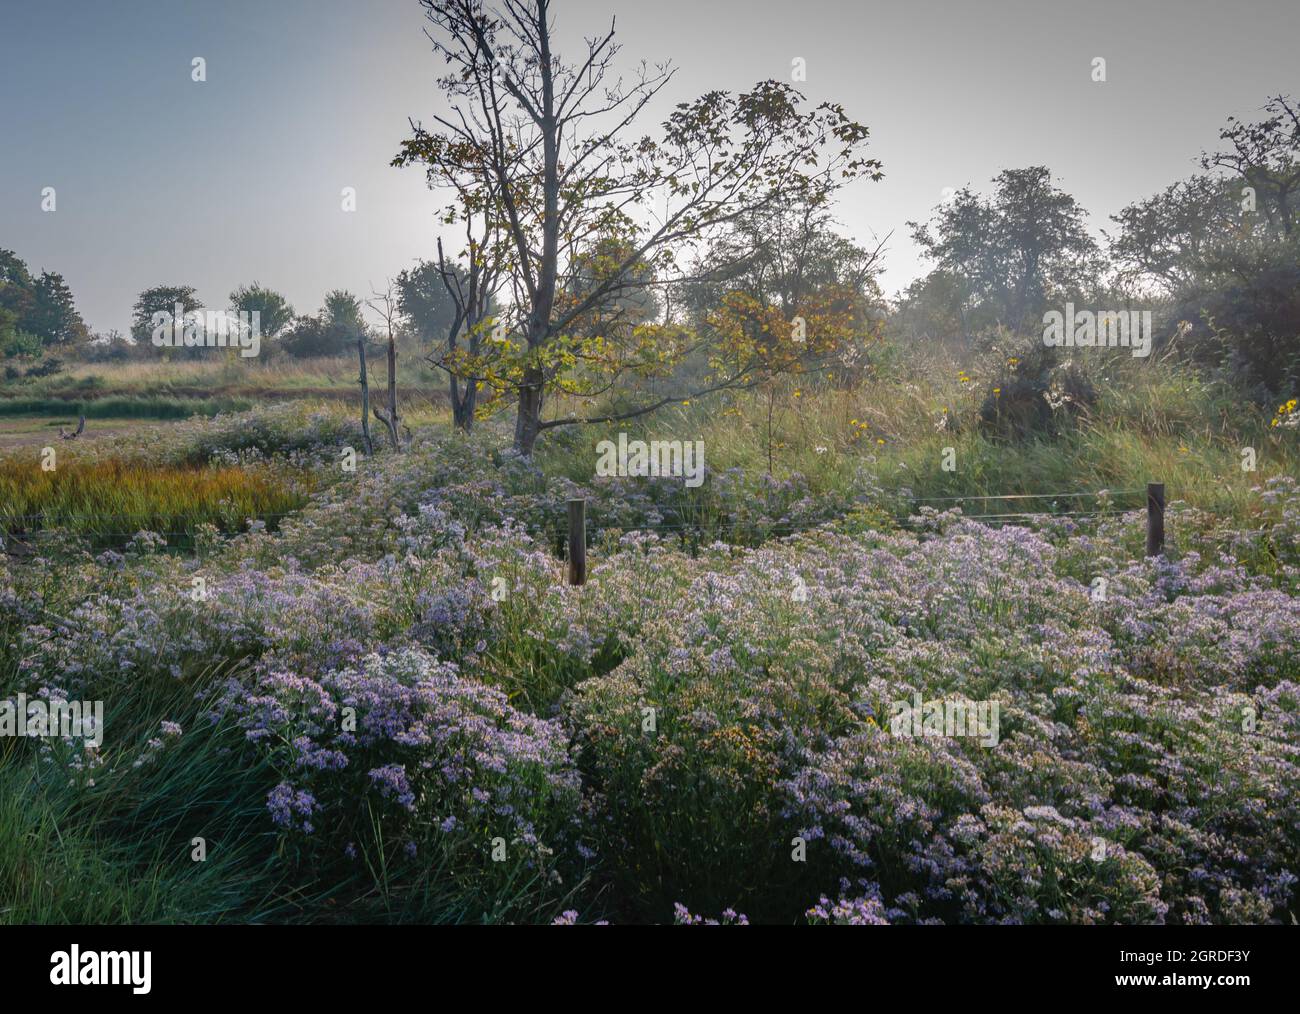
(242, 173)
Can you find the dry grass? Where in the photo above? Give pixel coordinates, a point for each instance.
(112, 498)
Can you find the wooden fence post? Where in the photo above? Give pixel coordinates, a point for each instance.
(365, 398)
(1155, 518)
(577, 542)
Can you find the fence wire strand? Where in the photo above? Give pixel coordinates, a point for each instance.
(560, 533)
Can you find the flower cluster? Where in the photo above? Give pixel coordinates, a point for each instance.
(445, 761)
(707, 722)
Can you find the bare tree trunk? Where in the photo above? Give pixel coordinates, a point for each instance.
(528, 423)
(391, 420)
(453, 386)
(462, 405)
(385, 304)
(365, 397)
(471, 294)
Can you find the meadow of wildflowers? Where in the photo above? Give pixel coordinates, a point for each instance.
(391, 707)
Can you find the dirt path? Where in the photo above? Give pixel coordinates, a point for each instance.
(42, 432)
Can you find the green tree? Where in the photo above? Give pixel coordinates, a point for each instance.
(425, 302)
(160, 299)
(343, 312)
(471, 290)
(14, 341)
(783, 255)
(39, 309)
(1222, 250)
(1168, 241)
(275, 312)
(15, 284)
(1016, 250)
(551, 145)
(16, 298)
(938, 307)
(1265, 156)
(332, 331)
(54, 317)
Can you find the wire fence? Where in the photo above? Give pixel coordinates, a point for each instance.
(1109, 497)
(21, 532)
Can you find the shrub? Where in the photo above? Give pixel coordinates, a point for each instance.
(399, 759)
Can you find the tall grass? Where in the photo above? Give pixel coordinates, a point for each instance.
(1161, 424)
(202, 377)
(114, 498)
(73, 851)
(123, 408)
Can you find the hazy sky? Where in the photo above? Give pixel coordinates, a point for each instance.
(163, 180)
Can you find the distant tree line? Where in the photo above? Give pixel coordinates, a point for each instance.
(605, 273)
(1216, 255)
(37, 316)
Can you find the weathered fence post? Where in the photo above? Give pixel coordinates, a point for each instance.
(577, 542)
(365, 398)
(1155, 518)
